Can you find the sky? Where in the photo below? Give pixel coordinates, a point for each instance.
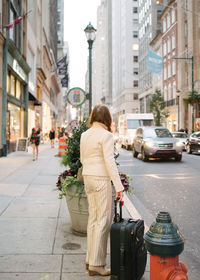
(77, 15)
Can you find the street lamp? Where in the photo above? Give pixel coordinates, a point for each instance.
(90, 33)
(178, 95)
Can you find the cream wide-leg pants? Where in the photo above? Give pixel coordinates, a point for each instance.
(99, 194)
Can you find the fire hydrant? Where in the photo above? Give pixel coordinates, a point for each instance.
(164, 243)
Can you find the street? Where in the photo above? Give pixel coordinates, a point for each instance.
(169, 186)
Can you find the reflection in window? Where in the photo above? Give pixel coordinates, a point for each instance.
(18, 89)
(8, 83)
(12, 85)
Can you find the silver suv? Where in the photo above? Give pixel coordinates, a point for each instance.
(156, 142)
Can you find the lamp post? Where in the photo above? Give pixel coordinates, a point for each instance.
(178, 95)
(90, 33)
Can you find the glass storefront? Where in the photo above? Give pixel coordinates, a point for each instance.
(15, 125)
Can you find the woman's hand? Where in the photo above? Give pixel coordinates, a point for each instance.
(120, 195)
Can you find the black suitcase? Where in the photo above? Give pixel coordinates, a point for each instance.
(128, 252)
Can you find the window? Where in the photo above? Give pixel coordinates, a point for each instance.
(169, 70)
(174, 68)
(165, 72)
(169, 45)
(135, 34)
(135, 96)
(169, 92)
(135, 10)
(135, 21)
(173, 15)
(14, 11)
(174, 90)
(18, 89)
(12, 85)
(164, 25)
(135, 71)
(135, 83)
(135, 58)
(165, 93)
(173, 42)
(135, 47)
(164, 48)
(168, 21)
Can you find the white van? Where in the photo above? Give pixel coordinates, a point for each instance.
(127, 125)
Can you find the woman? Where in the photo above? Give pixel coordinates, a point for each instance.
(52, 137)
(99, 168)
(35, 140)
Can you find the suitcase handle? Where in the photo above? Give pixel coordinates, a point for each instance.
(120, 210)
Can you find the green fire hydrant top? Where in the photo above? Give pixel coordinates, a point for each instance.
(163, 238)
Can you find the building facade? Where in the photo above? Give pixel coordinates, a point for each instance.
(169, 74)
(2, 39)
(149, 27)
(15, 77)
(188, 62)
(30, 88)
(124, 57)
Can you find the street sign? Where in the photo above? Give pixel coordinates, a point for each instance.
(76, 96)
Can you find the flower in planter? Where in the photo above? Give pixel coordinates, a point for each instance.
(126, 182)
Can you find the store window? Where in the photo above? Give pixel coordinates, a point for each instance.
(15, 87)
(16, 122)
(12, 85)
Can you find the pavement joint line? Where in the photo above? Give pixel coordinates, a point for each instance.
(61, 266)
(12, 200)
(54, 241)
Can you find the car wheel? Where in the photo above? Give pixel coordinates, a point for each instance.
(144, 156)
(135, 154)
(188, 149)
(178, 158)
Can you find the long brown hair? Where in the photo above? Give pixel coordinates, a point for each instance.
(101, 114)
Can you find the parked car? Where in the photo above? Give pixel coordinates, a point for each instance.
(181, 136)
(193, 143)
(156, 142)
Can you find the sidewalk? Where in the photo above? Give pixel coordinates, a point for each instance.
(36, 241)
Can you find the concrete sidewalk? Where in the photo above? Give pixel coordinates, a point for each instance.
(36, 241)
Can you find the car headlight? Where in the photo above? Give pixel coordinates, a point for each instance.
(150, 144)
(179, 144)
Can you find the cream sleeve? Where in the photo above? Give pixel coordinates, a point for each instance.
(108, 153)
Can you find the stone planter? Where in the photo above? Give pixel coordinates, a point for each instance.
(78, 210)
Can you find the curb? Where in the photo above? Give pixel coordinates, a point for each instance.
(132, 210)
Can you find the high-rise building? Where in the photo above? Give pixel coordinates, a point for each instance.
(124, 57)
(149, 27)
(102, 56)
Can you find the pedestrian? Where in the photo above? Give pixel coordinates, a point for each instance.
(99, 168)
(35, 140)
(186, 130)
(52, 137)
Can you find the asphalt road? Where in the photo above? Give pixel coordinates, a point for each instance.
(166, 185)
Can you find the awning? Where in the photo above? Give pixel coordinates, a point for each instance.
(31, 97)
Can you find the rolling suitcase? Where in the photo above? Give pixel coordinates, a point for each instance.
(128, 252)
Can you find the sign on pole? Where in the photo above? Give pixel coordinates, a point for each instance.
(76, 96)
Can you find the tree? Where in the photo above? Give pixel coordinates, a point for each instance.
(157, 107)
(193, 97)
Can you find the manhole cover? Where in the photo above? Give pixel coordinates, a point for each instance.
(71, 246)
